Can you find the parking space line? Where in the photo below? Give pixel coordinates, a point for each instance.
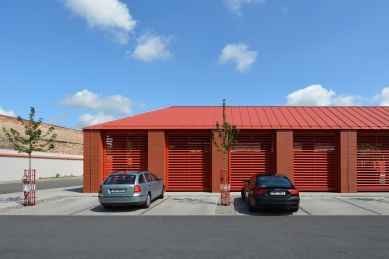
(357, 206)
(83, 210)
(154, 206)
(305, 211)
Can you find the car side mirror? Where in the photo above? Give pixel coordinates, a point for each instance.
(159, 178)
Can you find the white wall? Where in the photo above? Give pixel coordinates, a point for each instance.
(12, 167)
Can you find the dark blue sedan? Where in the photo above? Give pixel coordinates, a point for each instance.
(270, 191)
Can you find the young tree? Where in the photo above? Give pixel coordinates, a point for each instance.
(228, 138)
(33, 141)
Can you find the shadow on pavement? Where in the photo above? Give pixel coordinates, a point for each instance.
(78, 189)
(114, 209)
(242, 208)
(12, 199)
(123, 208)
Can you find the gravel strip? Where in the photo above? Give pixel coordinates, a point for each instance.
(56, 198)
(226, 210)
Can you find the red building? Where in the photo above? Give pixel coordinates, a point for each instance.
(342, 149)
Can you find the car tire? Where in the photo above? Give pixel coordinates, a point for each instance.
(250, 207)
(106, 206)
(294, 209)
(163, 191)
(242, 193)
(147, 202)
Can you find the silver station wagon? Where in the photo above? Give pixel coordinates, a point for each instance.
(130, 188)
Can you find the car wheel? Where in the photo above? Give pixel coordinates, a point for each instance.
(294, 209)
(163, 191)
(251, 208)
(106, 206)
(242, 193)
(147, 202)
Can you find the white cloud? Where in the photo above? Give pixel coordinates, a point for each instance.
(111, 16)
(383, 97)
(240, 54)
(235, 5)
(151, 47)
(316, 95)
(346, 100)
(10, 113)
(88, 120)
(117, 104)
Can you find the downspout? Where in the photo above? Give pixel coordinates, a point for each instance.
(348, 162)
(90, 160)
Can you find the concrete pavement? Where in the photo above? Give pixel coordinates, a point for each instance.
(71, 201)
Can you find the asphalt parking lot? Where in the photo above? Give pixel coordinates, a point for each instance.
(71, 201)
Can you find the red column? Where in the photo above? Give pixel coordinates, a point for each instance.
(93, 160)
(347, 161)
(284, 153)
(157, 153)
(217, 164)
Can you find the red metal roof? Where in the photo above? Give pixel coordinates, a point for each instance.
(256, 117)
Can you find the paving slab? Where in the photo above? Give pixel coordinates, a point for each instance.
(71, 201)
(378, 205)
(90, 206)
(185, 206)
(331, 206)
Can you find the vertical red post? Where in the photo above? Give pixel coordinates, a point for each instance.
(224, 188)
(29, 181)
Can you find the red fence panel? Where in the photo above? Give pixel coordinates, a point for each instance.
(253, 154)
(372, 162)
(314, 161)
(125, 152)
(189, 162)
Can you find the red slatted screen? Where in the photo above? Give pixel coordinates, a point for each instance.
(253, 154)
(372, 162)
(189, 162)
(314, 161)
(125, 152)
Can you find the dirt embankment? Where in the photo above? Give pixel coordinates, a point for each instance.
(68, 141)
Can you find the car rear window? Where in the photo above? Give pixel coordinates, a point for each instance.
(273, 181)
(121, 179)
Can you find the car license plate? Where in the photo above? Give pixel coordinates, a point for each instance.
(117, 190)
(277, 193)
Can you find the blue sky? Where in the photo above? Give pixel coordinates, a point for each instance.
(83, 62)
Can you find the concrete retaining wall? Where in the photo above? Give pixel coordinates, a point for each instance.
(13, 164)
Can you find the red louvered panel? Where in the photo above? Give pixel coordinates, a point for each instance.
(189, 162)
(125, 152)
(253, 154)
(372, 162)
(314, 162)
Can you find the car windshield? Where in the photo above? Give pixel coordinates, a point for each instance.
(120, 179)
(273, 181)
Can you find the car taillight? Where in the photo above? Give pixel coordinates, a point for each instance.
(101, 189)
(293, 191)
(260, 191)
(137, 188)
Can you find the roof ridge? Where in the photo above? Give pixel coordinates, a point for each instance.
(87, 127)
(203, 117)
